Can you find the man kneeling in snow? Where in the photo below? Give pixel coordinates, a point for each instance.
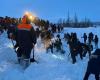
(93, 65)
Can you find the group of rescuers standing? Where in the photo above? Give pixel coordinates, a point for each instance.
(26, 37)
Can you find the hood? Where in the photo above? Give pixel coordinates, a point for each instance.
(24, 19)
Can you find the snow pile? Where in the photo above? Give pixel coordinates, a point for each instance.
(50, 67)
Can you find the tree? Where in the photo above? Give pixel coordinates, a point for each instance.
(75, 21)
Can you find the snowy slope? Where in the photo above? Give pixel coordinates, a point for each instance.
(51, 66)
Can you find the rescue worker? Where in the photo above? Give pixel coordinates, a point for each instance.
(96, 39)
(26, 39)
(90, 37)
(85, 37)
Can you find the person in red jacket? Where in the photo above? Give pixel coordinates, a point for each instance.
(26, 39)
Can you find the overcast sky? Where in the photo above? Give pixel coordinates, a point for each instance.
(52, 9)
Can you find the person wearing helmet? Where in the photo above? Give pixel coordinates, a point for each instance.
(26, 39)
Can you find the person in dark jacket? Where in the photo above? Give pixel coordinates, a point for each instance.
(85, 37)
(87, 48)
(26, 39)
(80, 49)
(58, 29)
(93, 65)
(73, 49)
(38, 32)
(90, 37)
(96, 39)
(11, 31)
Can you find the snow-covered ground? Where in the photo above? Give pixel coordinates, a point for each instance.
(50, 67)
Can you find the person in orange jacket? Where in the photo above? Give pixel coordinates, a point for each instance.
(26, 39)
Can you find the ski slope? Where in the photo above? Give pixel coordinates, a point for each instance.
(50, 67)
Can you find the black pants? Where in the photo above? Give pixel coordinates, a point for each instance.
(19, 52)
(25, 52)
(80, 53)
(85, 41)
(87, 76)
(85, 52)
(73, 56)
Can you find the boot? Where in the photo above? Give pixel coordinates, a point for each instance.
(32, 60)
(26, 63)
(20, 59)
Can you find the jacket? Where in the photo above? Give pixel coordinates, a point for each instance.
(26, 36)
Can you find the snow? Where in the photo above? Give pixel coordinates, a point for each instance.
(50, 67)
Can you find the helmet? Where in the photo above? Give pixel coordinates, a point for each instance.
(25, 19)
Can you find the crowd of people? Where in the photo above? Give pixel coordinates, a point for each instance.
(77, 47)
(5, 22)
(21, 31)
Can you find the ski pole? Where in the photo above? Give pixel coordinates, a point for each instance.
(34, 57)
(33, 54)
